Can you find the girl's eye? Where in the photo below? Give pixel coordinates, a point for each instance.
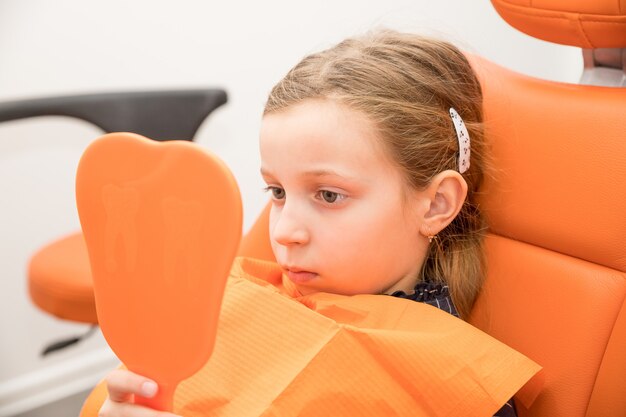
(330, 196)
(277, 192)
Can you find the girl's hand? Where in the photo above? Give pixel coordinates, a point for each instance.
(123, 385)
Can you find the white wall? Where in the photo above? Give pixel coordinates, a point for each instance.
(75, 46)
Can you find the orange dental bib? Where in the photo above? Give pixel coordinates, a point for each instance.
(332, 355)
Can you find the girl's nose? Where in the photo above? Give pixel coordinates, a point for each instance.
(288, 227)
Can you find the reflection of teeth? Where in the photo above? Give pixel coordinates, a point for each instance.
(182, 246)
(121, 205)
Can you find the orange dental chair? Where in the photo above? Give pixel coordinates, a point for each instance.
(556, 249)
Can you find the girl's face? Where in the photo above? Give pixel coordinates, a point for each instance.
(342, 220)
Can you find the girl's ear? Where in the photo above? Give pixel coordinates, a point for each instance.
(446, 195)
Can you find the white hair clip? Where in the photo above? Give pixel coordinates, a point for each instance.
(464, 140)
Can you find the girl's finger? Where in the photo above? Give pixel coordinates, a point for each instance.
(123, 384)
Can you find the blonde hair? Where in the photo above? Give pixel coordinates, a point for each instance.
(406, 85)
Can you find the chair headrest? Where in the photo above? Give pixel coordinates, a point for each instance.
(582, 23)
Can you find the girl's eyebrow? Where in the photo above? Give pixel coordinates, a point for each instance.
(315, 173)
(322, 174)
(327, 173)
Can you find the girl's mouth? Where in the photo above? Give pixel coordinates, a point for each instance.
(300, 277)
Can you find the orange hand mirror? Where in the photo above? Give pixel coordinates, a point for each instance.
(162, 223)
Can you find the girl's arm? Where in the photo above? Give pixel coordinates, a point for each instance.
(122, 385)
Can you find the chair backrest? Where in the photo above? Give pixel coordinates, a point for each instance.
(557, 247)
(557, 253)
(556, 207)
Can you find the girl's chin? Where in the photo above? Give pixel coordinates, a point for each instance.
(306, 290)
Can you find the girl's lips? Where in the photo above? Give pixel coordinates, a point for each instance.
(300, 277)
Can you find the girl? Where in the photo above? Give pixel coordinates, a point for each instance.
(365, 150)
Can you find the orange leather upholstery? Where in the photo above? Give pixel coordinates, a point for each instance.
(256, 243)
(557, 253)
(586, 24)
(59, 280)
